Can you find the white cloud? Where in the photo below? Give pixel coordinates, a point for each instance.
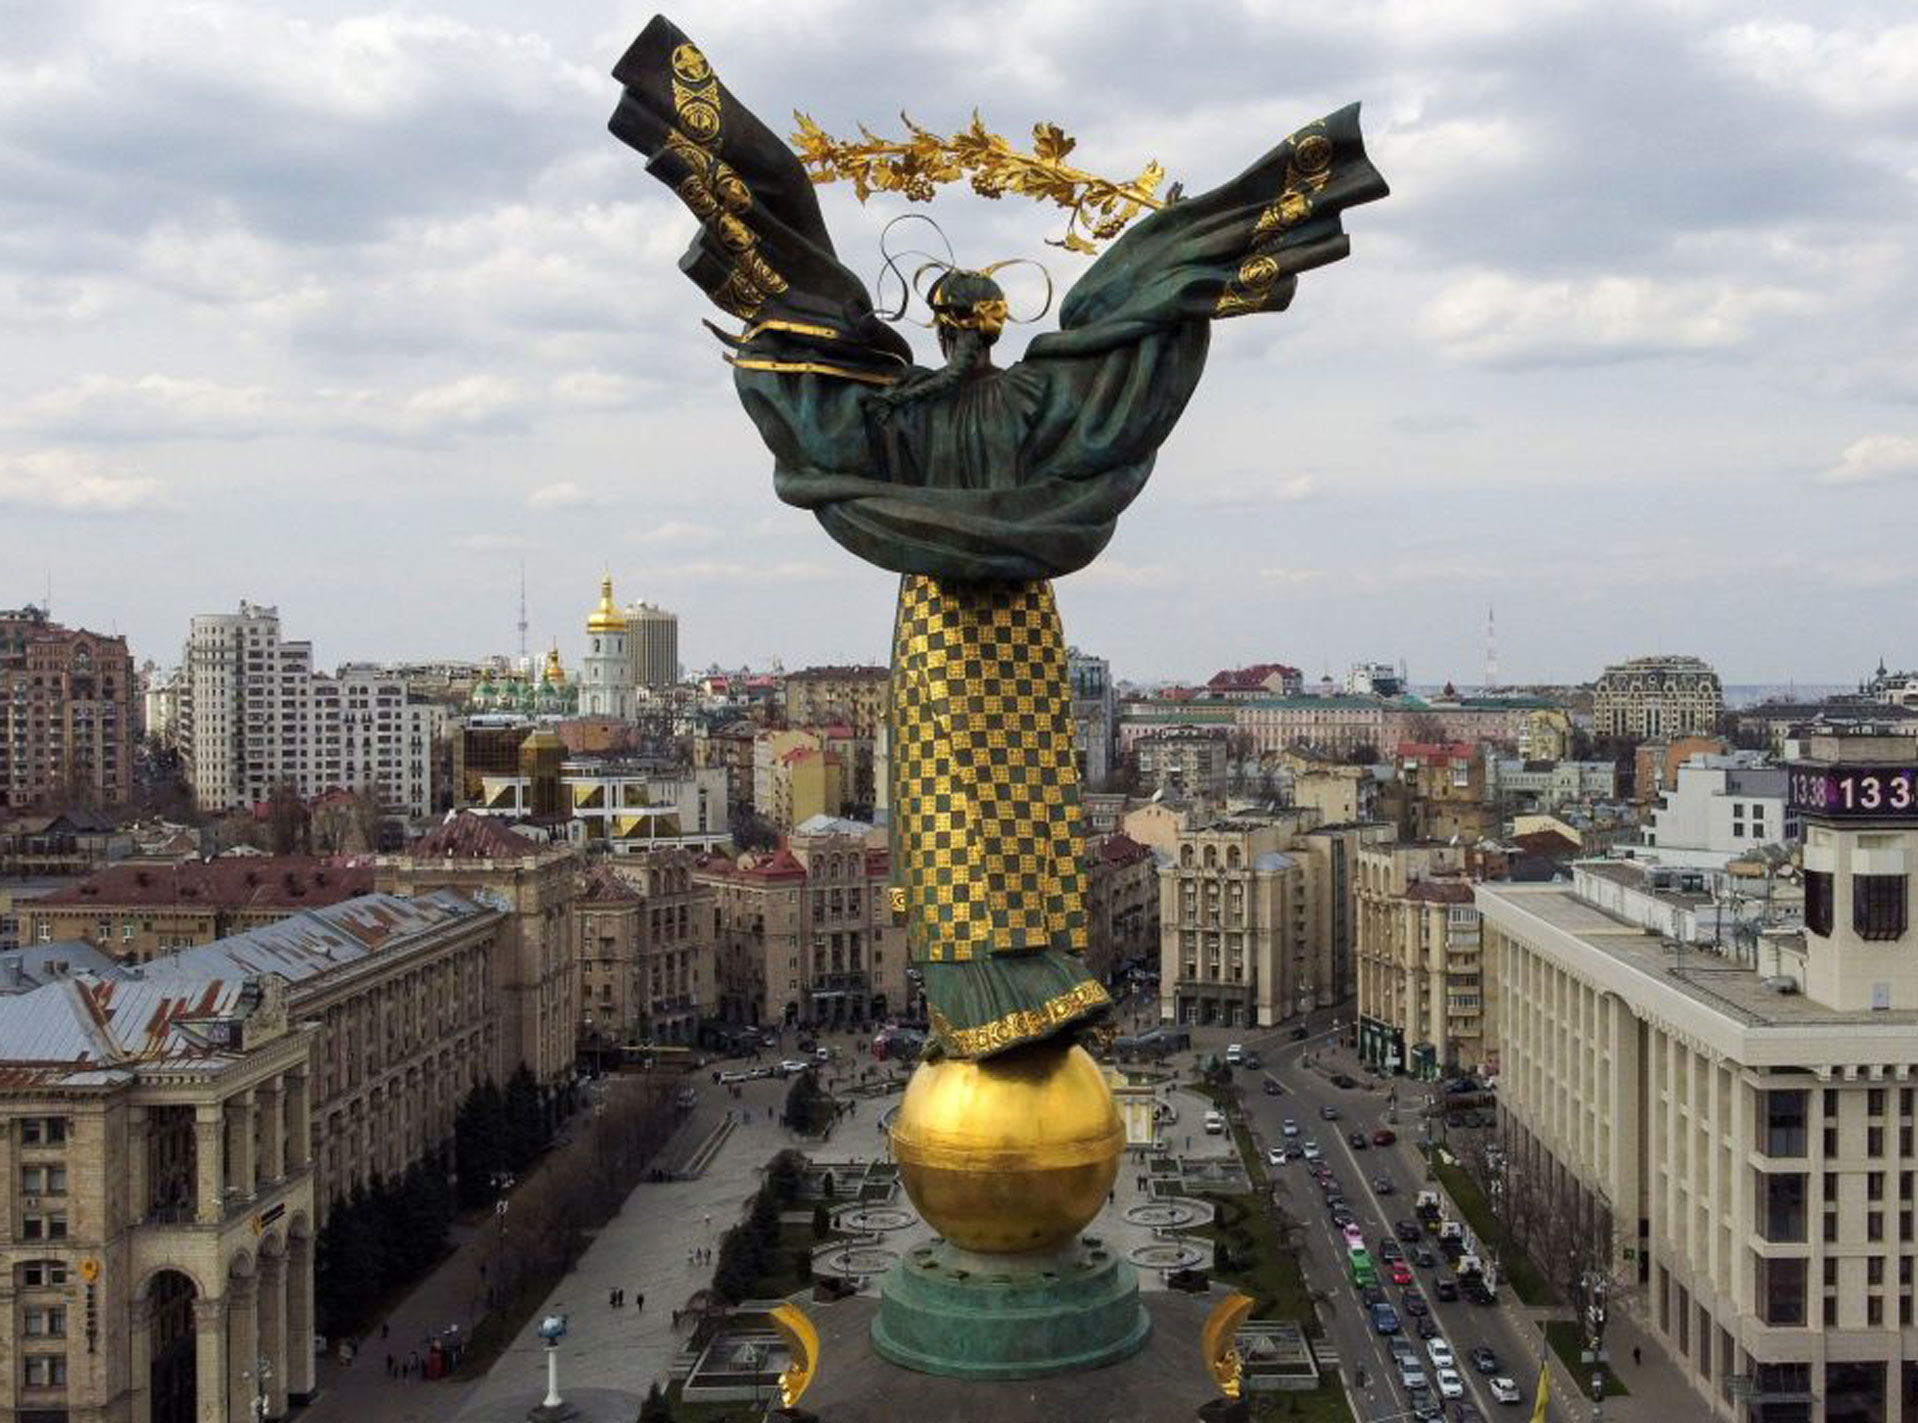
(1114, 573)
(1876, 459)
(1293, 577)
(1496, 317)
(1295, 490)
(490, 543)
(678, 533)
(59, 482)
(1850, 71)
(562, 494)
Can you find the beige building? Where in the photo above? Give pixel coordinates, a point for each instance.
(535, 976)
(647, 966)
(807, 934)
(137, 911)
(68, 714)
(1743, 1120)
(1425, 1005)
(853, 697)
(1122, 906)
(1235, 947)
(1185, 760)
(157, 1241)
(1652, 697)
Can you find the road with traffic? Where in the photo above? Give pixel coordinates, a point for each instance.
(1379, 1185)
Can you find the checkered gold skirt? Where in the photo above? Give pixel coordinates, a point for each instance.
(987, 823)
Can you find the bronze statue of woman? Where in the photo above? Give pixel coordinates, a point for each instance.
(977, 484)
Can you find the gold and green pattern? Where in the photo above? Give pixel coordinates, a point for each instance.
(985, 788)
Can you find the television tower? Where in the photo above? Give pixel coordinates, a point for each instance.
(1491, 650)
(523, 662)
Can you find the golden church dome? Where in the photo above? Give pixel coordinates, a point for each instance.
(606, 617)
(554, 675)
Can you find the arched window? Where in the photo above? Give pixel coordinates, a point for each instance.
(1185, 856)
(1232, 857)
(1211, 857)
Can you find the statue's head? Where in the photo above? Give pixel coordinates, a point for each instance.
(964, 301)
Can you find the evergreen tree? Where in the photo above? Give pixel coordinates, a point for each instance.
(655, 1408)
(821, 1221)
(763, 1221)
(785, 1176)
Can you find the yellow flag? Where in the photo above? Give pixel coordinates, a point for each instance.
(1544, 1391)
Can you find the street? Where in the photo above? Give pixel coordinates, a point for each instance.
(1501, 1328)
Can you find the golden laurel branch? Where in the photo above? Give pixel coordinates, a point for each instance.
(915, 166)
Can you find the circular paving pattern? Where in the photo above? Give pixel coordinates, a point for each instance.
(1174, 1213)
(859, 1260)
(1166, 1255)
(874, 1219)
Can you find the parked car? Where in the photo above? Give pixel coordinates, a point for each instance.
(793, 1066)
(1484, 1360)
(1215, 1123)
(1504, 1390)
(1384, 1136)
(1234, 1054)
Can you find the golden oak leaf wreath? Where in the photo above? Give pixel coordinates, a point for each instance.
(916, 165)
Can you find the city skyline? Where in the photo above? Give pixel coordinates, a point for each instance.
(350, 313)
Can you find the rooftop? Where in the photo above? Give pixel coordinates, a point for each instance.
(246, 882)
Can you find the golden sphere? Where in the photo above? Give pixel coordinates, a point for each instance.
(1013, 1153)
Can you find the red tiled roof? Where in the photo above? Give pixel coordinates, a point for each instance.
(471, 837)
(1440, 891)
(252, 881)
(603, 885)
(1546, 842)
(1120, 849)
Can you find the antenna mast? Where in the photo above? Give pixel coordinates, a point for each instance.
(522, 614)
(1491, 650)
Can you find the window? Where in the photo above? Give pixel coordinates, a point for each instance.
(1878, 906)
(37, 1273)
(1782, 1291)
(1874, 1225)
(1874, 1185)
(43, 1131)
(44, 1321)
(1874, 1141)
(1785, 1123)
(46, 1371)
(43, 1180)
(1875, 1102)
(1875, 1270)
(1784, 1207)
(50, 1225)
(1818, 902)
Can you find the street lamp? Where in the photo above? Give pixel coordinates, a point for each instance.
(552, 1329)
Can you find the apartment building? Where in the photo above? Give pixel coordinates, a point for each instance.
(1234, 928)
(1425, 1006)
(1662, 696)
(647, 950)
(1740, 1124)
(136, 912)
(807, 933)
(1720, 808)
(68, 714)
(1122, 906)
(254, 715)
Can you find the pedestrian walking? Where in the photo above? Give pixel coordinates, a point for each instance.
(383, 1328)
(639, 1300)
(612, 1299)
(1638, 1356)
(390, 1371)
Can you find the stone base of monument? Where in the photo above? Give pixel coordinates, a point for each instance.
(1164, 1381)
(945, 1310)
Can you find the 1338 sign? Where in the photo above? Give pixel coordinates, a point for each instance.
(1868, 792)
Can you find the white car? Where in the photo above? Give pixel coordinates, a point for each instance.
(1290, 1128)
(1311, 1151)
(1234, 1053)
(1440, 1353)
(793, 1066)
(1215, 1123)
(1411, 1376)
(1450, 1385)
(1275, 1156)
(1504, 1390)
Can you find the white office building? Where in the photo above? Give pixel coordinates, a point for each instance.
(1739, 1125)
(253, 715)
(1719, 809)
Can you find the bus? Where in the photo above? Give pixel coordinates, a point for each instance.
(1364, 1275)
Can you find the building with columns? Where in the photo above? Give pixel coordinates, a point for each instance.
(1739, 1123)
(172, 1138)
(535, 980)
(606, 675)
(157, 1245)
(646, 940)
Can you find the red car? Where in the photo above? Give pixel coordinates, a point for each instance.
(1384, 1136)
(1401, 1273)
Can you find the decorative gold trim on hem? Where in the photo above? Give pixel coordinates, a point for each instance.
(798, 328)
(1022, 1024)
(1307, 170)
(811, 368)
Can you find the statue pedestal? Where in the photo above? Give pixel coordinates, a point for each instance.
(944, 1310)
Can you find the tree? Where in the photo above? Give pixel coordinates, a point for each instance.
(785, 1175)
(763, 1219)
(654, 1408)
(289, 824)
(821, 1221)
(808, 1109)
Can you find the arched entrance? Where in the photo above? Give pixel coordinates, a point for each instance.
(172, 1367)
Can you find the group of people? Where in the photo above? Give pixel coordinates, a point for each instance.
(617, 1299)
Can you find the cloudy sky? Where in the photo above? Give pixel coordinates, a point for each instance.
(351, 308)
